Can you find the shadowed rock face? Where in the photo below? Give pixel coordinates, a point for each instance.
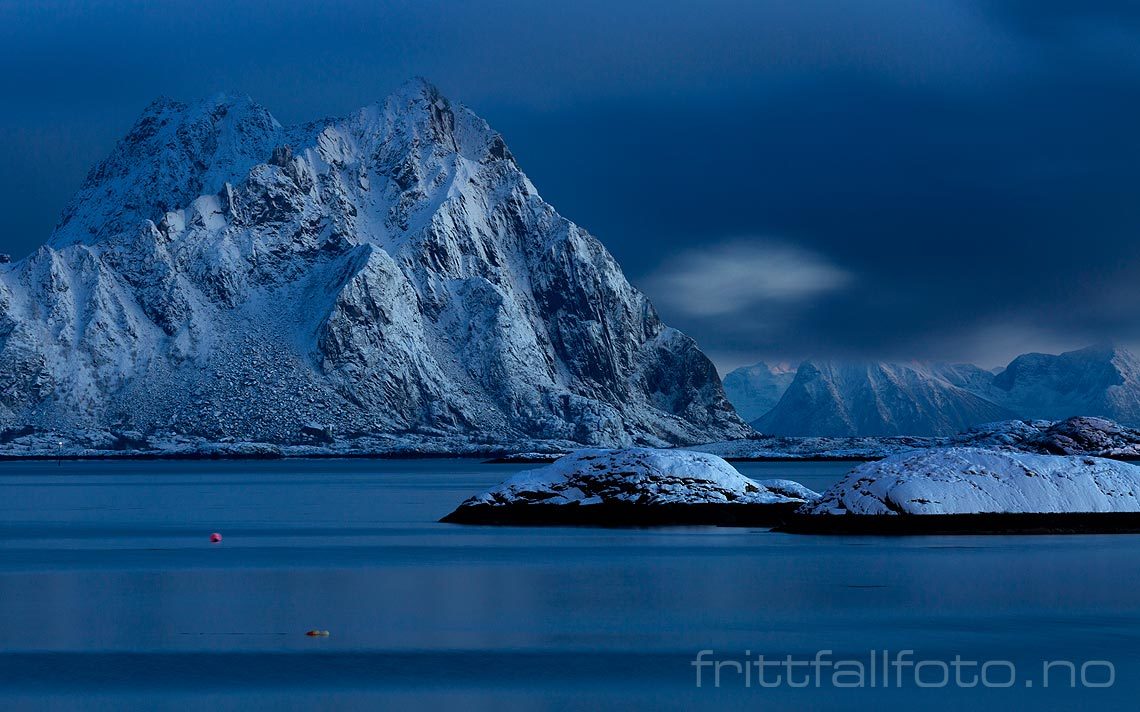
(393, 271)
(1073, 436)
(1080, 436)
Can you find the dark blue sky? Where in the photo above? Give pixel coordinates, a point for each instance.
(903, 179)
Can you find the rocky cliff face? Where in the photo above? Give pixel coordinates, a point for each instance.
(395, 272)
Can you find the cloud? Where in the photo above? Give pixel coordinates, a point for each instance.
(741, 275)
(971, 163)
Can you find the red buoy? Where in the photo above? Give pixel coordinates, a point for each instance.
(215, 537)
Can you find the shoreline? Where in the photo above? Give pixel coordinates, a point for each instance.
(623, 515)
(489, 457)
(441, 455)
(982, 524)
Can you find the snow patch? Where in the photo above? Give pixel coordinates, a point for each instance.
(976, 481)
(642, 476)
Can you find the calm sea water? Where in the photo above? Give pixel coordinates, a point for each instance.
(112, 597)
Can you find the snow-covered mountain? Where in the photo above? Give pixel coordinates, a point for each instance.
(829, 398)
(832, 398)
(1097, 381)
(394, 271)
(753, 390)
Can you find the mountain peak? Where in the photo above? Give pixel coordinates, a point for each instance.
(177, 151)
(220, 109)
(1098, 380)
(753, 390)
(419, 105)
(416, 88)
(393, 271)
(1104, 349)
(847, 398)
(172, 154)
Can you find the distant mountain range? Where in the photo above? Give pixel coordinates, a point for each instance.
(835, 398)
(755, 389)
(220, 277)
(1099, 380)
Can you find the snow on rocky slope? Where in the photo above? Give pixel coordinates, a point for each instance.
(753, 390)
(1095, 381)
(1075, 436)
(391, 273)
(880, 399)
(619, 486)
(833, 398)
(778, 447)
(1072, 436)
(977, 481)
